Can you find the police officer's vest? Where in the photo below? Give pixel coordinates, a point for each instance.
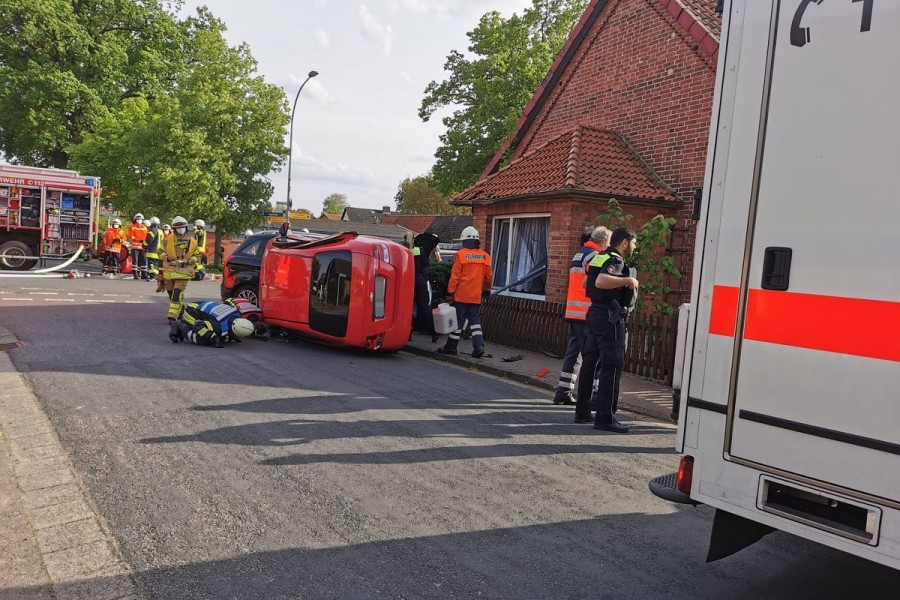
(606, 298)
(221, 315)
(577, 301)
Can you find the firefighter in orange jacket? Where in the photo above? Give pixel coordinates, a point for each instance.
(470, 283)
(113, 238)
(137, 235)
(593, 241)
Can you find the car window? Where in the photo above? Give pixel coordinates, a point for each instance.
(251, 247)
(329, 292)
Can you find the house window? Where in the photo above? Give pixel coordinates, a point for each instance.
(519, 255)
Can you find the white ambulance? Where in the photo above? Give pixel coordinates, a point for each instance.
(790, 413)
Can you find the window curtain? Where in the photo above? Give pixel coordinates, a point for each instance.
(530, 241)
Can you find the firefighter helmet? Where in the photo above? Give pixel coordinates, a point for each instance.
(469, 233)
(154, 220)
(117, 222)
(199, 223)
(139, 216)
(179, 221)
(242, 327)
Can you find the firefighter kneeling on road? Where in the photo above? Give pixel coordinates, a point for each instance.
(179, 257)
(210, 323)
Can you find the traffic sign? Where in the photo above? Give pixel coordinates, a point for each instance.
(279, 213)
(299, 214)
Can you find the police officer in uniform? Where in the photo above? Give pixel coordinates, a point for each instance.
(610, 288)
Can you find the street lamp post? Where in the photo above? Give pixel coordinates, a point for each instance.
(291, 147)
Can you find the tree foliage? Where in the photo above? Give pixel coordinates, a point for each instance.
(334, 204)
(64, 64)
(508, 59)
(418, 196)
(650, 258)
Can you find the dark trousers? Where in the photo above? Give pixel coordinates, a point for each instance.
(139, 263)
(111, 262)
(604, 342)
(467, 312)
(573, 349)
(424, 319)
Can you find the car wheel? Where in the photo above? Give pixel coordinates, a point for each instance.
(248, 292)
(10, 253)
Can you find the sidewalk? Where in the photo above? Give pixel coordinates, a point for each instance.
(637, 395)
(53, 544)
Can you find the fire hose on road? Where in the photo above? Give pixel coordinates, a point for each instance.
(41, 273)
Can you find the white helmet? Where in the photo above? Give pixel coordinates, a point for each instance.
(179, 221)
(117, 222)
(242, 327)
(166, 227)
(154, 220)
(199, 223)
(469, 233)
(248, 232)
(139, 216)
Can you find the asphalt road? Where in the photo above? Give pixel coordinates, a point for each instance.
(267, 470)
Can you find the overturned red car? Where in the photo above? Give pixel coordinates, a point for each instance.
(343, 290)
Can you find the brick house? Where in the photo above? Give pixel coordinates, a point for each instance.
(623, 113)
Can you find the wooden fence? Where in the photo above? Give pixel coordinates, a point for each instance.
(540, 326)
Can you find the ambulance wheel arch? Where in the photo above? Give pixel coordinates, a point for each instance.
(9, 253)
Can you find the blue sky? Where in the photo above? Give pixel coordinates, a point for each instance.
(356, 130)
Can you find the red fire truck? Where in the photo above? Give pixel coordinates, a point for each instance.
(44, 214)
(344, 290)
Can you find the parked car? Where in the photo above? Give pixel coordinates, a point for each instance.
(343, 290)
(240, 273)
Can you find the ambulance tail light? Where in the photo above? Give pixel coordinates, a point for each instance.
(685, 474)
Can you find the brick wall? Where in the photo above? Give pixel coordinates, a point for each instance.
(640, 73)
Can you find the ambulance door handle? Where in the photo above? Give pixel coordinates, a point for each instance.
(776, 269)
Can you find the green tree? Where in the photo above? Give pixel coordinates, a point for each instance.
(64, 64)
(418, 196)
(334, 204)
(650, 258)
(509, 59)
(200, 149)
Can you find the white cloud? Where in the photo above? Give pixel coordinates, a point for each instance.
(322, 38)
(310, 167)
(319, 4)
(314, 91)
(374, 30)
(405, 77)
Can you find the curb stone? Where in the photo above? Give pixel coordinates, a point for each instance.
(60, 532)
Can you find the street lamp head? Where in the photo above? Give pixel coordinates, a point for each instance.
(313, 73)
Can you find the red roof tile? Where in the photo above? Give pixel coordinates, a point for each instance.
(583, 160)
(417, 223)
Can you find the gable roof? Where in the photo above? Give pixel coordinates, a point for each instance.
(361, 215)
(417, 223)
(330, 217)
(585, 159)
(390, 232)
(449, 228)
(698, 18)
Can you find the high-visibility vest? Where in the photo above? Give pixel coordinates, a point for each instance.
(153, 242)
(577, 301)
(200, 236)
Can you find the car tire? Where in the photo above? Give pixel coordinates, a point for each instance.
(17, 249)
(249, 292)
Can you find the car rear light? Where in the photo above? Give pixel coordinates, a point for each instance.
(685, 474)
(378, 297)
(227, 278)
(381, 251)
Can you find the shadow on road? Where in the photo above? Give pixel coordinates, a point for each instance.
(558, 560)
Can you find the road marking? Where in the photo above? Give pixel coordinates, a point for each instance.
(103, 301)
(115, 295)
(19, 299)
(43, 293)
(24, 288)
(74, 294)
(59, 299)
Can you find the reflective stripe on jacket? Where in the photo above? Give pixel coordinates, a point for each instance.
(577, 301)
(179, 249)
